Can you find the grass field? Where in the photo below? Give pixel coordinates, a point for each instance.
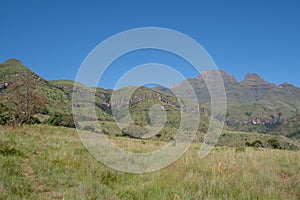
(44, 162)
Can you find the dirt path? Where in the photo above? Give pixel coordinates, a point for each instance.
(37, 183)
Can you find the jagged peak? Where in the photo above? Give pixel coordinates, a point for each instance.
(253, 78)
(227, 79)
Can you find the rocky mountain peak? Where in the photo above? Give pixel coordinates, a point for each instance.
(252, 79)
(213, 74)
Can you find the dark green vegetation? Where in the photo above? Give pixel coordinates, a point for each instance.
(46, 162)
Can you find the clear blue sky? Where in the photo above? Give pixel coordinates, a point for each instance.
(53, 37)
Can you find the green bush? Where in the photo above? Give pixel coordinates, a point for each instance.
(5, 116)
(248, 144)
(135, 131)
(274, 143)
(33, 120)
(239, 149)
(256, 143)
(61, 120)
(92, 128)
(7, 149)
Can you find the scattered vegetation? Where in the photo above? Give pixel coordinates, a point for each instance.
(47, 162)
(61, 120)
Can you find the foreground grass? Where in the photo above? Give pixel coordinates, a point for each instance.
(43, 162)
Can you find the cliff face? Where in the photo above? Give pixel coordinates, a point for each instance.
(215, 75)
(253, 95)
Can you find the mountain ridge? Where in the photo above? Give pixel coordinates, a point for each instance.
(253, 103)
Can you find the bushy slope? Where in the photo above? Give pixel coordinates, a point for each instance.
(13, 71)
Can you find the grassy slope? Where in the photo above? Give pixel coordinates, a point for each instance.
(238, 139)
(13, 70)
(43, 162)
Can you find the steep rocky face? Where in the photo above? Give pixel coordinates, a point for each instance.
(252, 80)
(253, 94)
(215, 75)
(143, 94)
(229, 79)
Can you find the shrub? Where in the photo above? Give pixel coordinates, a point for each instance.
(135, 131)
(248, 144)
(5, 116)
(239, 149)
(92, 128)
(89, 128)
(257, 143)
(61, 120)
(33, 120)
(274, 143)
(7, 149)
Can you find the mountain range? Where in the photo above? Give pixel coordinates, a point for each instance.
(252, 104)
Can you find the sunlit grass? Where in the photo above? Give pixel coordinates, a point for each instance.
(44, 162)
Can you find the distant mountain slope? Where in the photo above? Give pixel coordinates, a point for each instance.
(59, 94)
(252, 104)
(252, 100)
(102, 96)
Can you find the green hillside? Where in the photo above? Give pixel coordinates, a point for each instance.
(14, 72)
(254, 105)
(59, 96)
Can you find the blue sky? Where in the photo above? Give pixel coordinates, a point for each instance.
(53, 38)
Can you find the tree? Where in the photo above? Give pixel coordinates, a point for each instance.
(279, 117)
(5, 117)
(25, 99)
(248, 114)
